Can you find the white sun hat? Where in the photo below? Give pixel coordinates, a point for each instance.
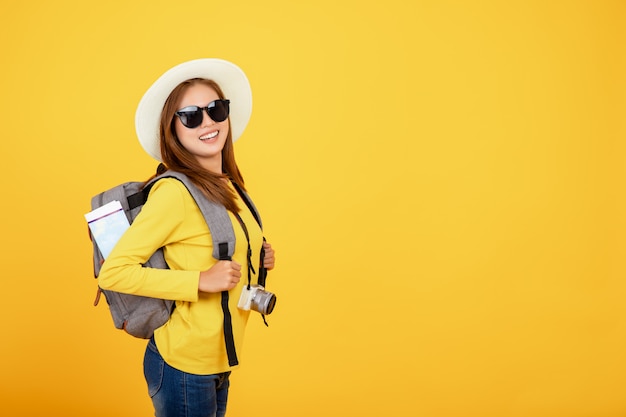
(227, 75)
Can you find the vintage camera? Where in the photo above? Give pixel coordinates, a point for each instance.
(254, 297)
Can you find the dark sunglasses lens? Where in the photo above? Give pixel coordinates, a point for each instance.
(191, 119)
(219, 111)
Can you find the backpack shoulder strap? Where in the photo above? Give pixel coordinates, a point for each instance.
(223, 236)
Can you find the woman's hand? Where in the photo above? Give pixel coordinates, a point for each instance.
(222, 276)
(270, 258)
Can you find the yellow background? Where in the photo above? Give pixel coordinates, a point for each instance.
(443, 182)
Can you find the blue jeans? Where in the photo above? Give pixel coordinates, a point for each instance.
(178, 394)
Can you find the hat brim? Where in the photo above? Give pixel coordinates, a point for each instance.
(227, 75)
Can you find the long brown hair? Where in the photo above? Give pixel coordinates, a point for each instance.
(176, 157)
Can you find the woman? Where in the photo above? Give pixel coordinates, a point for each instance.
(188, 120)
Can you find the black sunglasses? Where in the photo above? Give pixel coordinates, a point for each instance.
(191, 116)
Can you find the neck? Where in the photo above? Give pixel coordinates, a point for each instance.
(213, 164)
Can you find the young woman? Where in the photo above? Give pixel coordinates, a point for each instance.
(188, 120)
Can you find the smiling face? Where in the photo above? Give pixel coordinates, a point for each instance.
(206, 141)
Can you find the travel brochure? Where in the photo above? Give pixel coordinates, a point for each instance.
(107, 224)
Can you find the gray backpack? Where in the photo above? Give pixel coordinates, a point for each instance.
(140, 316)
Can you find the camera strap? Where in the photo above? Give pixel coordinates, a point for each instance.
(262, 270)
(249, 253)
(249, 256)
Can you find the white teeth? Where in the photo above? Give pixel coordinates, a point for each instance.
(209, 136)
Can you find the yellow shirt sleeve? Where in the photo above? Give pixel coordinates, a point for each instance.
(166, 220)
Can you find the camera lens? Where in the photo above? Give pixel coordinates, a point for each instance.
(263, 302)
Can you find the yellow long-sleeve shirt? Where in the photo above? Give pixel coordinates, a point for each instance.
(192, 340)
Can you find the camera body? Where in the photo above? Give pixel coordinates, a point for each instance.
(254, 297)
